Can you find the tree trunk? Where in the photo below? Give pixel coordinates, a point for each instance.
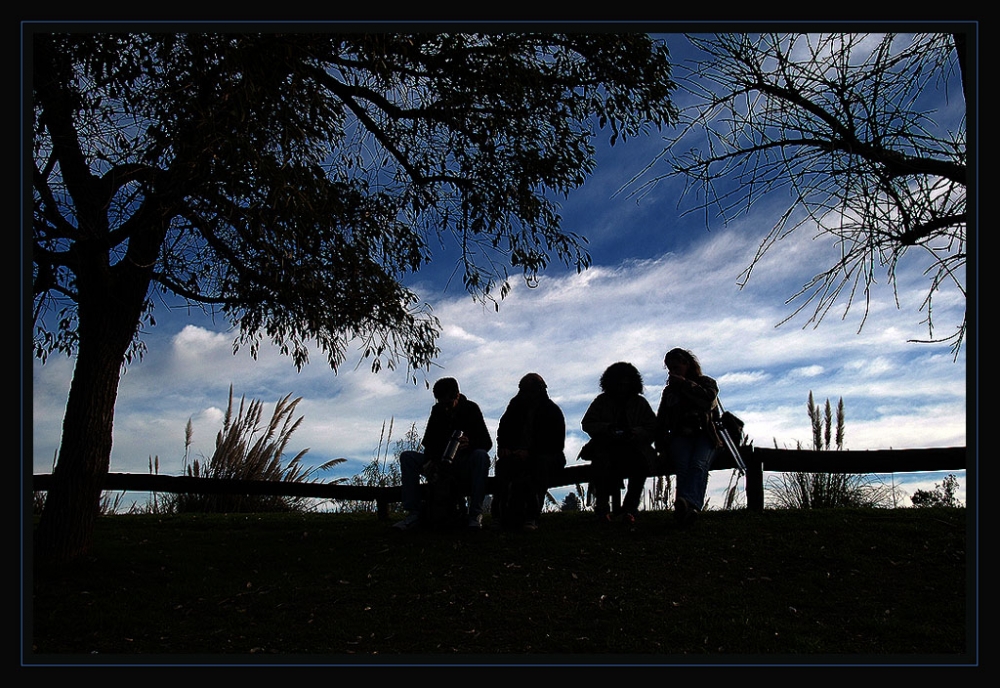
(66, 528)
(110, 308)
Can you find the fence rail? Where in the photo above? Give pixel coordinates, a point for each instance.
(757, 461)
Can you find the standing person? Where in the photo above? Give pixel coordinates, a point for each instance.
(685, 431)
(621, 424)
(452, 413)
(530, 442)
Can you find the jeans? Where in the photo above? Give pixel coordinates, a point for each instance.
(472, 467)
(692, 457)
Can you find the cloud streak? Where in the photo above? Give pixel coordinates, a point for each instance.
(568, 328)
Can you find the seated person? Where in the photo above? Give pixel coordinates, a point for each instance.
(530, 441)
(471, 464)
(621, 424)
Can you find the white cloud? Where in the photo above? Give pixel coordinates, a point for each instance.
(743, 378)
(193, 342)
(682, 290)
(806, 371)
(568, 329)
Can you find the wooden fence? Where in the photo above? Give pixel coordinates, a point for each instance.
(757, 462)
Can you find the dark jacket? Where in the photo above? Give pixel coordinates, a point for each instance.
(607, 416)
(444, 420)
(686, 409)
(540, 427)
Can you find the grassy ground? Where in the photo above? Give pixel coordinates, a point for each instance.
(881, 586)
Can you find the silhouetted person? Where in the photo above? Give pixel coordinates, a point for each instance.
(685, 431)
(621, 424)
(453, 412)
(530, 441)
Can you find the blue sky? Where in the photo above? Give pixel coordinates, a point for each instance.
(659, 280)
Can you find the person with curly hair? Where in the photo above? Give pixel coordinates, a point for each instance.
(621, 425)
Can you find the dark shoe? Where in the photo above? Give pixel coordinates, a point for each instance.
(628, 519)
(685, 513)
(476, 522)
(529, 526)
(604, 519)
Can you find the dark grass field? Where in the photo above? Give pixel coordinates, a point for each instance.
(835, 586)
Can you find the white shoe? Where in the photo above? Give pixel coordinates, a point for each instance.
(411, 521)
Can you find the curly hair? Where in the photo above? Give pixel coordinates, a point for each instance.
(622, 373)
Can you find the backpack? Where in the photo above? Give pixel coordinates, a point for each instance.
(733, 426)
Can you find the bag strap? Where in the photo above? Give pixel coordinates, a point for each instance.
(719, 408)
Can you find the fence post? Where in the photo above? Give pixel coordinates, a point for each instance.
(754, 479)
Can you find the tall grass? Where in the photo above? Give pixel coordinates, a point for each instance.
(827, 490)
(247, 450)
(381, 471)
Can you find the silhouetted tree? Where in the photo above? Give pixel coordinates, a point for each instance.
(570, 502)
(288, 183)
(844, 125)
(943, 494)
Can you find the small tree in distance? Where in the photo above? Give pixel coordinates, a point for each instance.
(570, 502)
(943, 494)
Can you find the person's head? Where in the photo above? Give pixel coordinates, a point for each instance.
(446, 391)
(682, 362)
(621, 378)
(532, 386)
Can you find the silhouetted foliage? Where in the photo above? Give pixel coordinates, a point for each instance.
(247, 450)
(943, 494)
(827, 490)
(383, 471)
(570, 502)
(288, 182)
(843, 125)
